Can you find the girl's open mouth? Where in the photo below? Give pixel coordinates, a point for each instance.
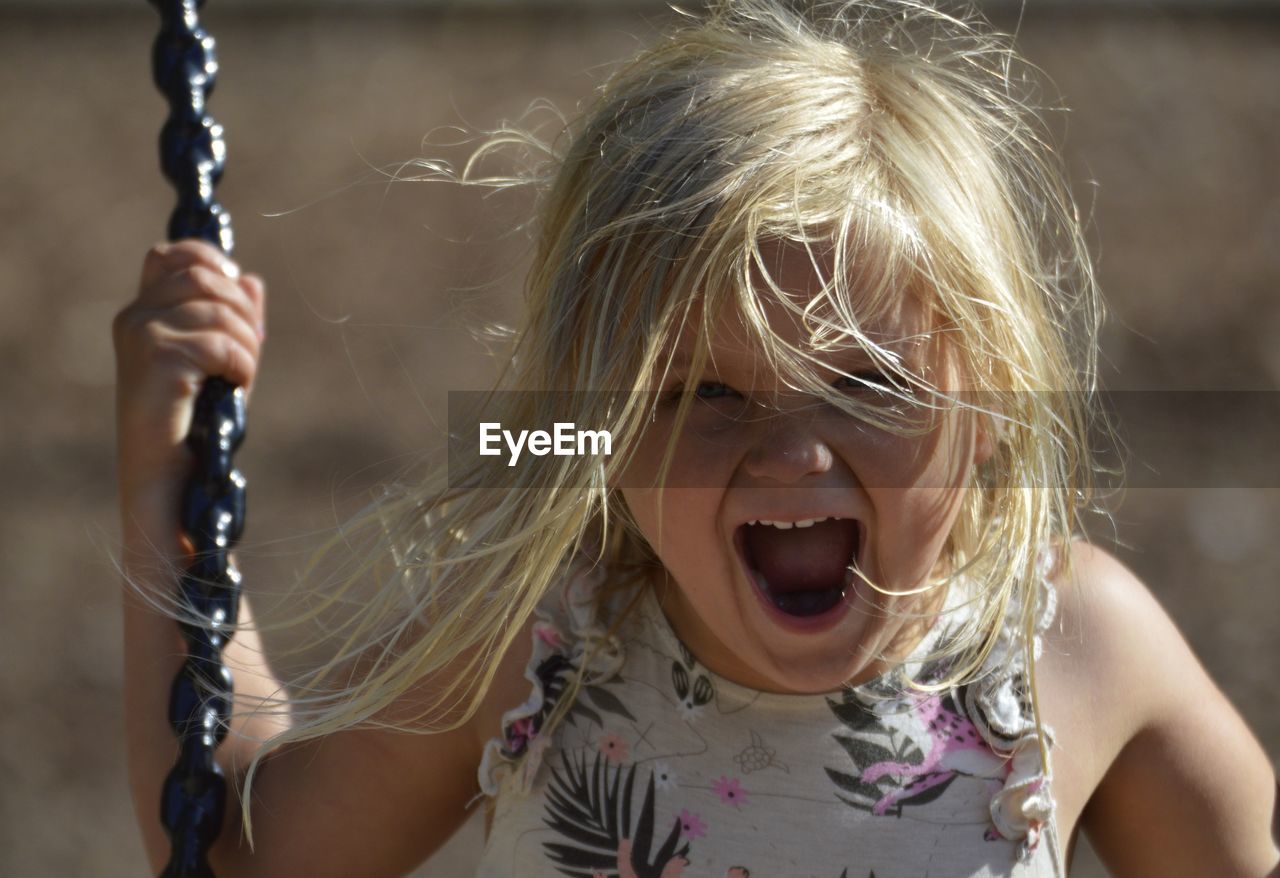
(802, 569)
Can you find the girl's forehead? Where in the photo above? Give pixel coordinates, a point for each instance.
(796, 300)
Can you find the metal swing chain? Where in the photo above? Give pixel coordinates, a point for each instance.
(192, 156)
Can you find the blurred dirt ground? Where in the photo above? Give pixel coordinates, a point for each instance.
(1173, 117)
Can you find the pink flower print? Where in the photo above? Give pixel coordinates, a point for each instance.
(691, 824)
(730, 791)
(613, 747)
(520, 733)
(548, 635)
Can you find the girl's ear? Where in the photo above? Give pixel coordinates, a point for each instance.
(985, 439)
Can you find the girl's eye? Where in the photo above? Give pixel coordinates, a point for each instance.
(864, 381)
(712, 390)
(705, 390)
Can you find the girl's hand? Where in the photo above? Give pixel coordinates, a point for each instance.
(195, 316)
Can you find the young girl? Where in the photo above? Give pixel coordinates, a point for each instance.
(819, 610)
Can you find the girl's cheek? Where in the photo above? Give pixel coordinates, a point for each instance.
(703, 459)
(707, 444)
(885, 460)
(882, 461)
(911, 530)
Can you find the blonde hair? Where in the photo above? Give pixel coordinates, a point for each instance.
(898, 141)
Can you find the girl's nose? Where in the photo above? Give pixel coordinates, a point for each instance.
(788, 455)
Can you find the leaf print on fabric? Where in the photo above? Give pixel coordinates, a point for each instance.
(685, 654)
(892, 772)
(602, 702)
(693, 688)
(579, 710)
(855, 715)
(591, 807)
(566, 646)
(691, 697)
(553, 677)
(553, 674)
(702, 690)
(606, 701)
(857, 792)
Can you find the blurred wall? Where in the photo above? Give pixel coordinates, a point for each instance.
(1171, 142)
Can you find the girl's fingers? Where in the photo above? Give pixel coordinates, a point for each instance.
(199, 316)
(166, 259)
(201, 283)
(256, 287)
(208, 272)
(209, 353)
(195, 316)
(165, 355)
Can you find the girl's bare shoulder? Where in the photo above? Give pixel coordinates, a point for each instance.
(1109, 647)
(1150, 757)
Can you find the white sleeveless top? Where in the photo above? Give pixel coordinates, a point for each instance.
(662, 768)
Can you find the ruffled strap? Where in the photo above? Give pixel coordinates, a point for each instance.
(567, 633)
(999, 706)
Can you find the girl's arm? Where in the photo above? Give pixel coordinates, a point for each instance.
(153, 653)
(367, 803)
(1186, 789)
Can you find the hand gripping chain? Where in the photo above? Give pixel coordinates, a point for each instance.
(192, 156)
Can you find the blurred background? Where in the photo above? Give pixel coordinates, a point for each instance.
(1171, 143)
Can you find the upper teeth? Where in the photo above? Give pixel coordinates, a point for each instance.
(787, 525)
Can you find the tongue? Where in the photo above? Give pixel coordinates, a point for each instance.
(802, 558)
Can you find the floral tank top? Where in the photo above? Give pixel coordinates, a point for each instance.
(661, 768)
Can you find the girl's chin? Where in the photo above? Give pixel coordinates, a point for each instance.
(812, 677)
(807, 662)
(769, 657)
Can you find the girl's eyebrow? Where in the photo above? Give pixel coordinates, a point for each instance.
(855, 355)
(682, 360)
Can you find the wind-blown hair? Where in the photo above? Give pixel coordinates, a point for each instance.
(897, 144)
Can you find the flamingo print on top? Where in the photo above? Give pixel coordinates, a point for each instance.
(954, 748)
(661, 768)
